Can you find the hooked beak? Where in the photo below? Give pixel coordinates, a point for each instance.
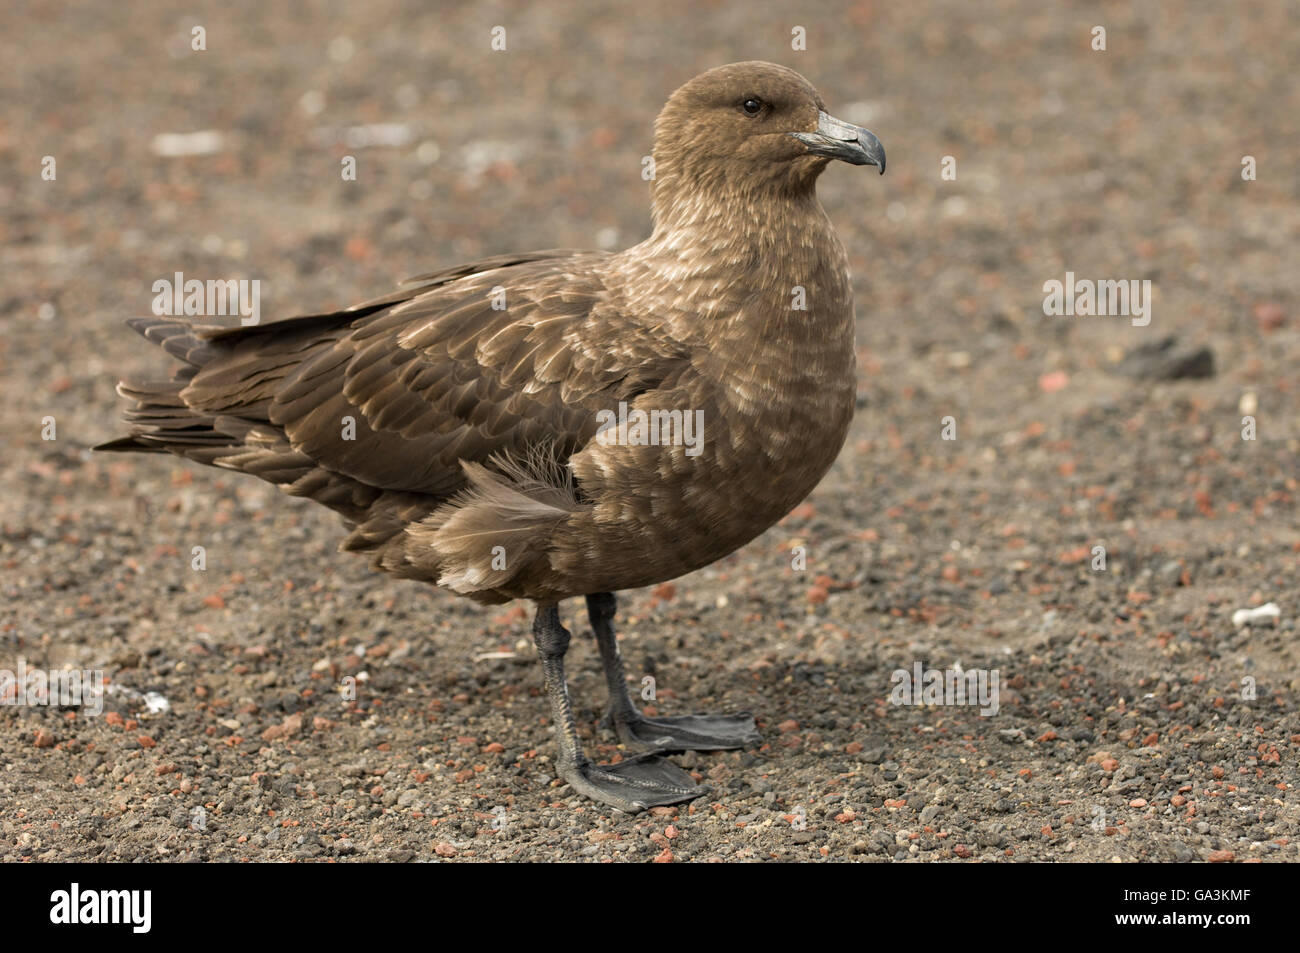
(836, 139)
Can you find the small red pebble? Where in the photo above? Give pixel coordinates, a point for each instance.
(665, 591)
(1178, 800)
(1216, 772)
(44, 739)
(114, 718)
(670, 832)
(1151, 739)
(1221, 856)
(495, 747)
(818, 594)
(1269, 315)
(1138, 802)
(357, 248)
(145, 741)
(1110, 764)
(666, 857)
(853, 747)
(444, 849)
(214, 601)
(1053, 381)
(961, 850)
(896, 802)
(1047, 736)
(788, 726)
(848, 817)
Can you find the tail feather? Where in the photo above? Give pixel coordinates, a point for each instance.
(234, 434)
(129, 445)
(178, 339)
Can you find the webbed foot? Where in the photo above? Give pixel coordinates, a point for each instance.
(634, 784)
(687, 732)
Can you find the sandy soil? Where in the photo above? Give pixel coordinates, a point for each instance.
(1126, 727)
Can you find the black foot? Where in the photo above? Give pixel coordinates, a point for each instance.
(688, 732)
(633, 784)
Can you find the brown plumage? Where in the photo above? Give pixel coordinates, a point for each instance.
(476, 462)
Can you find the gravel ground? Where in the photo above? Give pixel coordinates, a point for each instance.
(1125, 727)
